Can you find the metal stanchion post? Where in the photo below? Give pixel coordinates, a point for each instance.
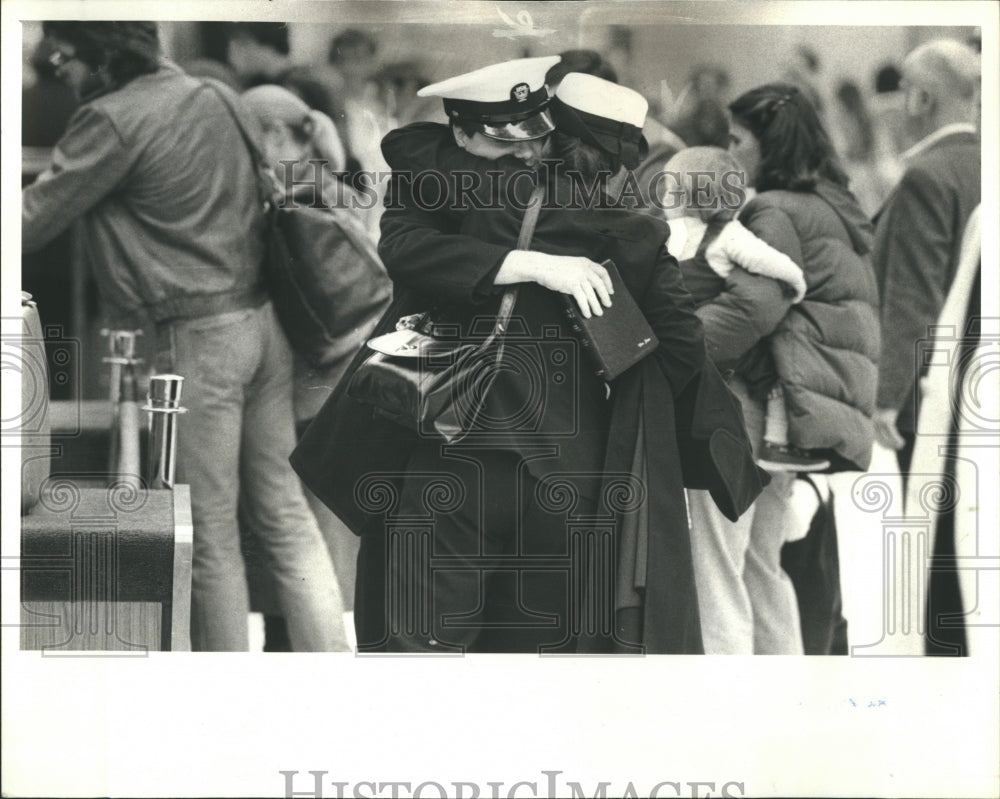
(129, 467)
(123, 455)
(164, 403)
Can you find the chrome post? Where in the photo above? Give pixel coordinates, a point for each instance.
(164, 403)
(123, 450)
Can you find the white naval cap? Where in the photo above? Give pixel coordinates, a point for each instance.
(506, 101)
(604, 114)
(602, 98)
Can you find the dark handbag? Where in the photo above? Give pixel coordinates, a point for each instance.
(434, 384)
(620, 338)
(325, 279)
(322, 271)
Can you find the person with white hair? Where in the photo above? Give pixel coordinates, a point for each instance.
(919, 229)
(295, 140)
(916, 255)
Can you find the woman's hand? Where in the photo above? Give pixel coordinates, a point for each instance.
(886, 431)
(586, 281)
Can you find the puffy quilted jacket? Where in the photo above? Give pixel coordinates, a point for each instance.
(826, 348)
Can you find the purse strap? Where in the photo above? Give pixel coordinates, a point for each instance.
(267, 182)
(523, 243)
(530, 218)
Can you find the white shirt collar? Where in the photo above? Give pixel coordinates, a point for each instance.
(936, 136)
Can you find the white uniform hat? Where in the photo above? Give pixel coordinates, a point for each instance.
(505, 101)
(603, 114)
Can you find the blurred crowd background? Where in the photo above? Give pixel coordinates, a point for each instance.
(365, 76)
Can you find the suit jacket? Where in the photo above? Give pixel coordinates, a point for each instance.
(915, 255)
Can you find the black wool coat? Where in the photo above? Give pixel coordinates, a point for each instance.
(673, 407)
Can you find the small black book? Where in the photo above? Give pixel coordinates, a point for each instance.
(620, 338)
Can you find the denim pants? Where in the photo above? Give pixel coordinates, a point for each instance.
(237, 434)
(746, 600)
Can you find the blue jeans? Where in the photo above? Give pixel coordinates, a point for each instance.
(238, 433)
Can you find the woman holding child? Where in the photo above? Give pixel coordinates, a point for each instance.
(819, 352)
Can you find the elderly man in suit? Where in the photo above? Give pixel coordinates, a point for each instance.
(919, 230)
(916, 256)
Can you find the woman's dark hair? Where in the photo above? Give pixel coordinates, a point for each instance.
(578, 156)
(572, 153)
(795, 150)
(127, 49)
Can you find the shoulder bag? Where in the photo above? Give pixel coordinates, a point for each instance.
(321, 268)
(432, 384)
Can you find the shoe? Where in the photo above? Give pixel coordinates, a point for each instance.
(786, 458)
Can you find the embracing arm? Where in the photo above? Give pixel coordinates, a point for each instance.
(443, 174)
(749, 309)
(423, 249)
(421, 245)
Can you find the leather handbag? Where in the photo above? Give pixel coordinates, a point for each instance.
(618, 339)
(325, 280)
(434, 383)
(321, 268)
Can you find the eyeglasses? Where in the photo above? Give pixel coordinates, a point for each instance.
(60, 59)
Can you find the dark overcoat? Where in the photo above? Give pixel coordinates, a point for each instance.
(674, 407)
